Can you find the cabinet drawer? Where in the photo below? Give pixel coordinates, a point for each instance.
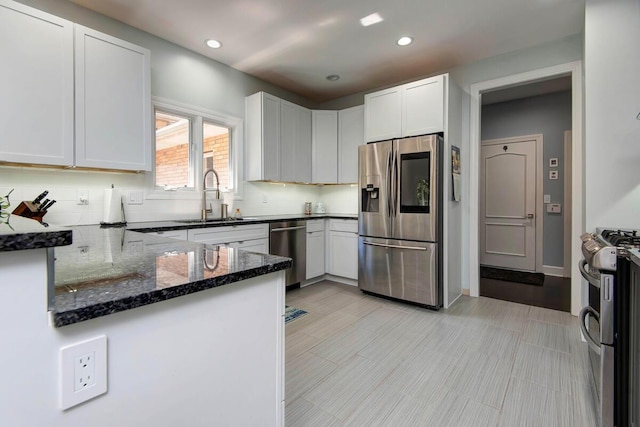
(173, 234)
(234, 233)
(347, 225)
(315, 225)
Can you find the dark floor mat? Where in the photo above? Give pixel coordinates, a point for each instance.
(536, 279)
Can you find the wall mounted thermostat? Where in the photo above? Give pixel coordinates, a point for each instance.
(553, 162)
(553, 174)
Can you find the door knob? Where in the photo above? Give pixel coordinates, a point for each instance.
(529, 216)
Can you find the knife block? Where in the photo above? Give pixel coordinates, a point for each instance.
(29, 210)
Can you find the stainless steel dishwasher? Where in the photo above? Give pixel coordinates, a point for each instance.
(289, 238)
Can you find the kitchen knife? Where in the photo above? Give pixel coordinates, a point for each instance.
(47, 206)
(41, 206)
(40, 197)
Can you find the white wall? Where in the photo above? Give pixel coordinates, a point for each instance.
(612, 104)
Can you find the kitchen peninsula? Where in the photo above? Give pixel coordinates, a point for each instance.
(206, 356)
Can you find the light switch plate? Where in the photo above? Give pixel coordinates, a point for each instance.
(135, 197)
(547, 198)
(83, 371)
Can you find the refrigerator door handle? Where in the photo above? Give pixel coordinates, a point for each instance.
(412, 248)
(396, 185)
(389, 185)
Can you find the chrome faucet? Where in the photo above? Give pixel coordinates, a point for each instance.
(206, 211)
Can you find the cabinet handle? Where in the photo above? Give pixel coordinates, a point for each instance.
(412, 248)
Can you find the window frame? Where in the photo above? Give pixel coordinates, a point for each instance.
(198, 116)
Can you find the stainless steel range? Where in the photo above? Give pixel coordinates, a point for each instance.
(610, 322)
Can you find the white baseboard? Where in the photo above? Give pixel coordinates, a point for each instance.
(339, 279)
(550, 270)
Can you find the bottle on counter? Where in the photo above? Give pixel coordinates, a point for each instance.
(238, 214)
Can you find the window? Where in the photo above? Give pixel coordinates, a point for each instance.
(190, 141)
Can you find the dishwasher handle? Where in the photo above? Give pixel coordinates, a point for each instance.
(288, 228)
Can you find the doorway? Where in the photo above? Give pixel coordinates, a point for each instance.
(477, 91)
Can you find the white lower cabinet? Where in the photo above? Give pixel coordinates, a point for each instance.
(252, 237)
(256, 245)
(315, 248)
(343, 248)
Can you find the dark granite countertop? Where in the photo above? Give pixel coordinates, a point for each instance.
(108, 270)
(18, 233)
(152, 226)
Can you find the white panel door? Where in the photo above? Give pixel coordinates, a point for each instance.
(423, 106)
(113, 102)
(507, 205)
(36, 105)
(350, 136)
(325, 146)
(382, 115)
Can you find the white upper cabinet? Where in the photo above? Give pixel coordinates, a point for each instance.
(423, 106)
(262, 137)
(325, 146)
(415, 108)
(36, 106)
(350, 136)
(382, 111)
(113, 102)
(295, 143)
(278, 140)
(111, 111)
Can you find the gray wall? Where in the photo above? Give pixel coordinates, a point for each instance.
(549, 115)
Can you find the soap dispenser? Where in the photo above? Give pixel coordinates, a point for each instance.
(238, 214)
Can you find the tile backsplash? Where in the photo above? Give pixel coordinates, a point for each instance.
(259, 198)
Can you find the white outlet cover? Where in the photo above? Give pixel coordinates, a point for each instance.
(71, 371)
(553, 174)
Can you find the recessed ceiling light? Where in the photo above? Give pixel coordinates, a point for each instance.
(333, 77)
(374, 18)
(214, 44)
(403, 41)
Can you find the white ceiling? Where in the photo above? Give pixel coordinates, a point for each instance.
(295, 44)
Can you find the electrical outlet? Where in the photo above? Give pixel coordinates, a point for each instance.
(82, 197)
(83, 371)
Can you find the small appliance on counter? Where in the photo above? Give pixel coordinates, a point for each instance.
(35, 209)
(307, 208)
(319, 208)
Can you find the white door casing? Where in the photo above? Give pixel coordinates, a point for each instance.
(508, 184)
(471, 256)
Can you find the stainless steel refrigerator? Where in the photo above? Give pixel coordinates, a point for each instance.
(399, 250)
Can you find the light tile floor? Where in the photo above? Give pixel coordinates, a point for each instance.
(358, 360)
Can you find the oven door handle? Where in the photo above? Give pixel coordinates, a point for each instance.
(593, 344)
(588, 276)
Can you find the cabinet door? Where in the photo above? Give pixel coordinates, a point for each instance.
(113, 102)
(325, 146)
(350, 136)
(343, 254)
(223, 235)
(258, 245)
(423, 106)
(295, 143)
(36, 106)
(262, 139)
(382, 112)
(315, 254)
